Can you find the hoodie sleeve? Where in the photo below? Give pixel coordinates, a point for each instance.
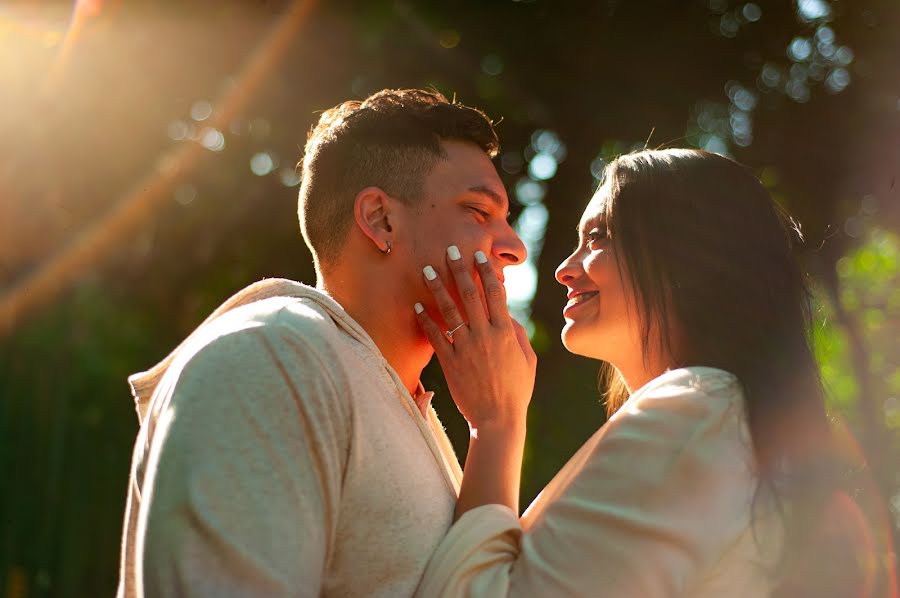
(661, 495)
(243, 480)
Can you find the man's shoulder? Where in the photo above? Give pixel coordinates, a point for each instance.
(293, 336)
(293, 330)
(275, 316)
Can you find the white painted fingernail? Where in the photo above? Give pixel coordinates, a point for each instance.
(430, 274)
(453, 252)
(480, 257)
(418, 307)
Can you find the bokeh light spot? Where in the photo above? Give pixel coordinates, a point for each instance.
(752, 12)
(598, 164)
(542, 167)
(548, 142)
(869, 205)
(185, 194)
(520, 282)
(212, 139)
(799, 72)
(838, 80)
(529, 192)
(178, 130)
(290, 177)
(714, 144)
(825, 35)
(262, 164)
(797, 91)
(512, 162)
(844, 55)
(201, 110)
(770, 75)
(813, 10)
(492, 65)
(729, 25)
(744, 99)
(449, 38)
(853, 226)
(800, 49)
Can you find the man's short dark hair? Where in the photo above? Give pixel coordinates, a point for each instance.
(390, 140)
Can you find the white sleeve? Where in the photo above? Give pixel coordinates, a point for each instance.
(661, 495)
(243, 482)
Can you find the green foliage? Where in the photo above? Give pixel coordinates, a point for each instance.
(67, 425)
(870, 281)
(833, 356)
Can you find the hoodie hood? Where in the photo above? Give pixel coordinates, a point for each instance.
(143, 384)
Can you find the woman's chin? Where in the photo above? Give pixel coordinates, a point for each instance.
(577, 343)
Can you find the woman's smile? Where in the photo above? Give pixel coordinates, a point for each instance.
(577, 299)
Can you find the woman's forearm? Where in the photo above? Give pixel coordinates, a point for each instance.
(493, 467)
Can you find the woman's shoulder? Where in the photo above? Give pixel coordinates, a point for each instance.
(686, 403)
(690, 383)
(700, 379)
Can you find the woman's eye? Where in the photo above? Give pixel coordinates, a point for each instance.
(596, 236)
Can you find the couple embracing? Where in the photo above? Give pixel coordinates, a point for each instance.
(288, 448)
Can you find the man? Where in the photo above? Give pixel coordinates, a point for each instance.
(287, 446)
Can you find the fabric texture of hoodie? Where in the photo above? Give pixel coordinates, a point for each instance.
(280, 454)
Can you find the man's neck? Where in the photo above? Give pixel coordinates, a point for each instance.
(388, 321)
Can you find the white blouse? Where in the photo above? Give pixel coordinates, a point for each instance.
(661, 501)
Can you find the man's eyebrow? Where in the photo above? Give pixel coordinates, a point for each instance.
(490, 194)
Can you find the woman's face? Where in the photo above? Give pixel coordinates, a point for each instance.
(600, 317)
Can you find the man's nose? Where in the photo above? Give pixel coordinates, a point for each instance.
(509, 248)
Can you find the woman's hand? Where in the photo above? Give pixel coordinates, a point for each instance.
(489, 365)
(485, 355)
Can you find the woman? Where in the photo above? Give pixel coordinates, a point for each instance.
(711, 471)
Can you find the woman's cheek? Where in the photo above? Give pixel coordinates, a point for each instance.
(593, 264)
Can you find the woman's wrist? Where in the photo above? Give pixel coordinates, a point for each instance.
(509, 427)
(493, 465)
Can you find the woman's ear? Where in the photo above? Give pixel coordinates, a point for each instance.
(372, 210)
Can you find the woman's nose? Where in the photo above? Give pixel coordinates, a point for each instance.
(566, 271)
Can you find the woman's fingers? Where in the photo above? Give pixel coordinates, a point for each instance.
(525, 343)
(494, 293)
(434, 334)
(465, 285)
(444, 301)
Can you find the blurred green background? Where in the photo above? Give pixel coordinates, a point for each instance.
(147, 173)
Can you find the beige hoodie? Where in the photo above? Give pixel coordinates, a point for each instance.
(280, 454)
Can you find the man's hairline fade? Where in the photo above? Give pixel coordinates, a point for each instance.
(407, 127)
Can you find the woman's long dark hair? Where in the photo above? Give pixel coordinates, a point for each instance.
(709, 254)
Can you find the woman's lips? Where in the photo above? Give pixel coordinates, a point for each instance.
(579, 299)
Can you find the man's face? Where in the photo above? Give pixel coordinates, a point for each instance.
(465, 204)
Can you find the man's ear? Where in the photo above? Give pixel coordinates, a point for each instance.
(372, 210)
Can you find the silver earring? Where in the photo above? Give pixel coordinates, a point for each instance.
(388, 250)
